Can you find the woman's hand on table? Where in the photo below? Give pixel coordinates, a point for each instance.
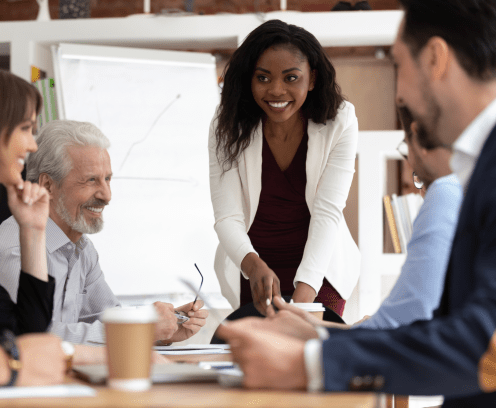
(264, 282)
(42, 358)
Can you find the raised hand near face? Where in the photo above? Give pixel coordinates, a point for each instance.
(28, 205)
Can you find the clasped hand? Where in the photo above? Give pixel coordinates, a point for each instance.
(270, 351)
(167, 329)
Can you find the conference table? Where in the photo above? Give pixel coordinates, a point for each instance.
(205, 395)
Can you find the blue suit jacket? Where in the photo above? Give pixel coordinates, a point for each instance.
(438, 356)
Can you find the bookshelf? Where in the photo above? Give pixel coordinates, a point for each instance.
(374, 149)
(28, 42)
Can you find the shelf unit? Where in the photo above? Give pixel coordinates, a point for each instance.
(374, 150)
(30, 40)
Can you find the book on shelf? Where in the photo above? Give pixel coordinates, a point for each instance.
(401, 212)
(392, 224)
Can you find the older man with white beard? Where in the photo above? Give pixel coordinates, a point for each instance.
(73, 164)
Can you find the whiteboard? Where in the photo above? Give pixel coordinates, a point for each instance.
(155, 107)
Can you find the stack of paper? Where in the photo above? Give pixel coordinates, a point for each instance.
(193, 349)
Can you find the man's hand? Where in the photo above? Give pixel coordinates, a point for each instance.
(364, 318)
(197, 319)
(281, 304)
(43, 360)
(268, 359)
(29, 206)
(308, 317)
(290, 324)
(167, 323)
(264, 283)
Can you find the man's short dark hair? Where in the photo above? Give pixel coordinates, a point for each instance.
(468, 26)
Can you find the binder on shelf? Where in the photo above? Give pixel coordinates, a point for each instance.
(49, 108)
(392, 224)
(400, 222)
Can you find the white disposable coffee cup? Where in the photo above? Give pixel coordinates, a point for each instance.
(130, 334)
(317, 309)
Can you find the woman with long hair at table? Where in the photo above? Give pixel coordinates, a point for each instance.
(282, 151)
(30, 359)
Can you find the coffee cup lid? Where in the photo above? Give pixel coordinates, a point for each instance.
(310, 307)
(141, 314)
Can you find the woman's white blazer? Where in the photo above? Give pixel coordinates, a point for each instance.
(330, 250)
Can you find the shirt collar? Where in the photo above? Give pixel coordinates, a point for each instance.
(56, 238)
(467, 148)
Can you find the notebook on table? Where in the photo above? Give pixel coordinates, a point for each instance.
(161, 373)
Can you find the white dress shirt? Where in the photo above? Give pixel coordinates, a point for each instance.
(468, 146)
(81, 292)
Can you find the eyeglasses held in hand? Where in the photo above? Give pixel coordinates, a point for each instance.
(181, 316)
(201, 284)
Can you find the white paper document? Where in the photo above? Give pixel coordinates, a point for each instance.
(193, 349)
(64, 390)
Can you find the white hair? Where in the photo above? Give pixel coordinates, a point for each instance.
(53, 141)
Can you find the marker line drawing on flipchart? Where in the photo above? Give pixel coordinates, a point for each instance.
(149, 130)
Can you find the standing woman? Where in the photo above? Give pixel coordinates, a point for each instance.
(282, 154)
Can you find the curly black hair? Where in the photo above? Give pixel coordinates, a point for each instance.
(238, 112)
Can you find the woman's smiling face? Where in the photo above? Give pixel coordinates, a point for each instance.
(281, 81)
(13, 151)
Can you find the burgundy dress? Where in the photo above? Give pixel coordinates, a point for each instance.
(280, 229)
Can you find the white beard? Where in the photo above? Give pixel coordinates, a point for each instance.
(79, 224)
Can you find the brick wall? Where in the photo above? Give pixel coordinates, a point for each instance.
(13, 10)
